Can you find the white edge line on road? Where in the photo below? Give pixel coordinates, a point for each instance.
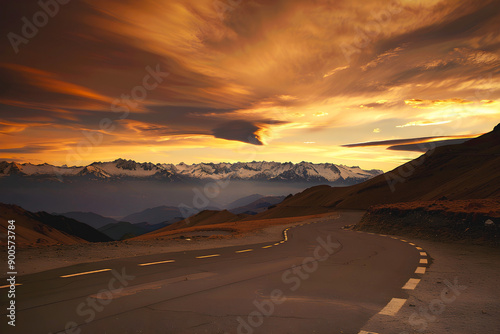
(411, 284)
(393, 307)
(151, 263)
(205, 256)
(420, 270)
(85, 273)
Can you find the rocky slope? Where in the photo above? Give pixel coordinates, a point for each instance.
(465, 171)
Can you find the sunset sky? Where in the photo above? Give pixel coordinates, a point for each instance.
(166, 81)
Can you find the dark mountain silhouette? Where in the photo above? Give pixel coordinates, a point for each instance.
(470, 170)
(93, 219)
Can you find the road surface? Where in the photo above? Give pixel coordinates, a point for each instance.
(318, 279)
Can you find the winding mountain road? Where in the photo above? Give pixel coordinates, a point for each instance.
(318, 279)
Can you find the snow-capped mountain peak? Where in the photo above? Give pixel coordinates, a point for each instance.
(255, 170)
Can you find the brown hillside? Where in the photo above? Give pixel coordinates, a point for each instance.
(30, 231)
(206, 217)
(465, 171)
(235, 227)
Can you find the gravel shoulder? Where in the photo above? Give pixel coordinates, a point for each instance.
(472, 306)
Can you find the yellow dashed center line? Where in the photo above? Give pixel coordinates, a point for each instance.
(419, 248)
(424, 261)
(268, 246)
(420, 270)
(423, 254)
(205, 256)
(151, 263)
(244, 251)
(393, 307)
(411, 284)
(276, 244)
(85, 273)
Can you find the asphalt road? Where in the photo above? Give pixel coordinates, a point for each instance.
(319, 279)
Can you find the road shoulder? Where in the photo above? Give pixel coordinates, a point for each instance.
(459, 293)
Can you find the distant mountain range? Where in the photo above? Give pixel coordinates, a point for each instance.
(159, 217)
(259, 205)
(42, 228)
(467, 171)
(156, 215)
(89, 218)
(255, 171)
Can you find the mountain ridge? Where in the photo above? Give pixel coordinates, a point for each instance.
(454, 172)
(254, 171)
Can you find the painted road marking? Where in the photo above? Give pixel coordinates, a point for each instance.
(420, 270)
(424, 261)
(393, 307)
(276, 244)
(419, 248)
(6, 286)
(411, 284)
(411, 243)
(365, 332)
(244, 251)
(85, 273)
(403, 240)
(423, 254)
(268, 246)
(205, 256)
(159, 262)
(281, 242)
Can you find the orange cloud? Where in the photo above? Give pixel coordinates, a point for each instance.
(418, 103)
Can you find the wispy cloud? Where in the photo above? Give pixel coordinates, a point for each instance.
(392, 142)
(418, 103)
(421, 123)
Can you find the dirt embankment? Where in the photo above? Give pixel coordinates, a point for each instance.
(475, 221)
